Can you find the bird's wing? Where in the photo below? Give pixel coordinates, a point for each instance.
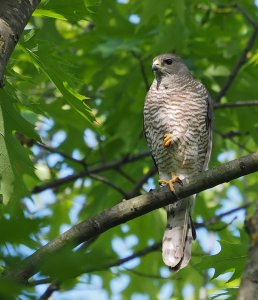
(209, 127)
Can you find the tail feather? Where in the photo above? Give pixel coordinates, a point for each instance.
(179, 234)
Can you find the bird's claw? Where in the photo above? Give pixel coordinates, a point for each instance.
(167, 140)
(171, 182)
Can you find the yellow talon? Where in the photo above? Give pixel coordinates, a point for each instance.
(167, 140)
(171, 182)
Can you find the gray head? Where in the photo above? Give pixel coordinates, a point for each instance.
(168, 64)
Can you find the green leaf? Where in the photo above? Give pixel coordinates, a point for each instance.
(54, 72)
(180, 10)
(15, 161)
(48, 13)
(231, 257)
(63, 11)
(6, 172)
(231, 294)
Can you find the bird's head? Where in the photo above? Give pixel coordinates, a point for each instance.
(168, 64)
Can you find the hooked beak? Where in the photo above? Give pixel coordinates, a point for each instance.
(156, 65)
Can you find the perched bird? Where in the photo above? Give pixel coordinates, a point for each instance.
(178, 117)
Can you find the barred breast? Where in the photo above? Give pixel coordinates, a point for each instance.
(178, 106)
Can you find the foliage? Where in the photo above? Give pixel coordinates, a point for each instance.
(76, 83)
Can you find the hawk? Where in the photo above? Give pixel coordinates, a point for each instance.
(178, 118)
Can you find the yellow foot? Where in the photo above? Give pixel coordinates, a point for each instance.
(171, 182)
(167, 140)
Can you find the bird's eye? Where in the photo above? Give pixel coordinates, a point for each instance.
(168, 61)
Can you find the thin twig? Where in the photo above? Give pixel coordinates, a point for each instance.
(152, 276)
(231, 138)
(233, 133)
(236, 104)
(125, 175)
(224, 226)
(218, 217)
(63, 154)
(109, 183)
(144, 75)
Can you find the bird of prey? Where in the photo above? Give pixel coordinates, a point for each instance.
(178, 118)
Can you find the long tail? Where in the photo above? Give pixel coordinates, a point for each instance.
(179, 234)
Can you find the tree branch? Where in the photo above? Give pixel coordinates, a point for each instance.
(14, 16)
(154, 247)
(243, 57)
(245, 14)
(49, 291)
(231, 138)
(63, 154)
(92, 170)
(249, 284)
(133, 208)
(138, 186)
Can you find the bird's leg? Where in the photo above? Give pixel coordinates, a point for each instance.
(167, 140)
(171, 182)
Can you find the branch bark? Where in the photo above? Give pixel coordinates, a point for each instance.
(14, 16)
(133, 208)
(249, 284)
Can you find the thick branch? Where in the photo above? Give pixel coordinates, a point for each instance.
(249, 284)
(14, 16)
(133, 208)
(155, 247)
